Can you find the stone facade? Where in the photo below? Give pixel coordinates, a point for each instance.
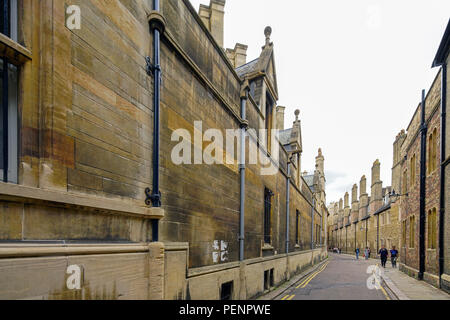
(86, 144)
(409, 206)
(442, 60)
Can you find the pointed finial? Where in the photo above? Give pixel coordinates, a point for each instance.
(297, 114)
(320, 152)
(268, 33)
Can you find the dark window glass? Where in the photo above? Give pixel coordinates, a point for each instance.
(9, 18)
(226, 292)
(8, 122)
(267, 213)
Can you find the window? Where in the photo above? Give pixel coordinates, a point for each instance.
(412, 231)
(388, 217)
(8, 122)
(226, 292)
(432, 152)
(267, 216)
(269, 111)
(404, 233)
(297, 228)
(432, 229)
(269, 279)
(412, 180)
(405, 182)
(252, 88)
(9, 18)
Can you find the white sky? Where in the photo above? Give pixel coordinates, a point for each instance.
(355, 69)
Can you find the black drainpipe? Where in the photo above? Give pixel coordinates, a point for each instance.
(288, 200)
(157, 26)
(443, 167)
(312, 224)
(378, 232)
(367, 229)
(6, 31)
(423, 131)
(244, 125)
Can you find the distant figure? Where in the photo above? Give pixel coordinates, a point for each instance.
(383, 256)
(357, 253)
(394, 257)
(370, 251)
(367, 253)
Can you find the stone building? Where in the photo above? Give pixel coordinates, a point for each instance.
(371, 221)
(442, 60)
(422, 182)
(93, 205)
(419, 199)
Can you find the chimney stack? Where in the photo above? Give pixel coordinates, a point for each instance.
(376, 197)
(238, 55)
(213, 18)
(280, 117)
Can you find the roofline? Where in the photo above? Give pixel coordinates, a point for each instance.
(444, 47)
(382, 209)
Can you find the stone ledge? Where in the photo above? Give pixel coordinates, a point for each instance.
(45, 250)
(24, 194)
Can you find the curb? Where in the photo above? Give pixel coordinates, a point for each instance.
(399, 295)
(283, 288)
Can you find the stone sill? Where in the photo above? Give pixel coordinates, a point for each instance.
(23, 194)
(267, 247)
(13, 50)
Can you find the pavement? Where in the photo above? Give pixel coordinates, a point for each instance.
(342, 277)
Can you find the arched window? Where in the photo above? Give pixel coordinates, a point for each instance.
(405, 182)
(412, 170)
(432, 224)
(412, 231)
(434, 150)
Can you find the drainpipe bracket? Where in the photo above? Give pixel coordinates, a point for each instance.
(156, 21)
(152, 198)
(245, 88)
(244, 124)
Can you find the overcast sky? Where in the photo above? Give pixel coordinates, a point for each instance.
(355, 69)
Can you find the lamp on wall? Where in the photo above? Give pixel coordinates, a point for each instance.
(393, 196)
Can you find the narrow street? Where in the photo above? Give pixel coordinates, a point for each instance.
(341, 278)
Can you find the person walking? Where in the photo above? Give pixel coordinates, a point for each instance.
(357, 253)
(394, 257)
(383, 255)
(367, 253)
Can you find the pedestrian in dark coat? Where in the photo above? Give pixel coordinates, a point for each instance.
(383, 256)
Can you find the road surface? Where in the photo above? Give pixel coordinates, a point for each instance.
(341, 278)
